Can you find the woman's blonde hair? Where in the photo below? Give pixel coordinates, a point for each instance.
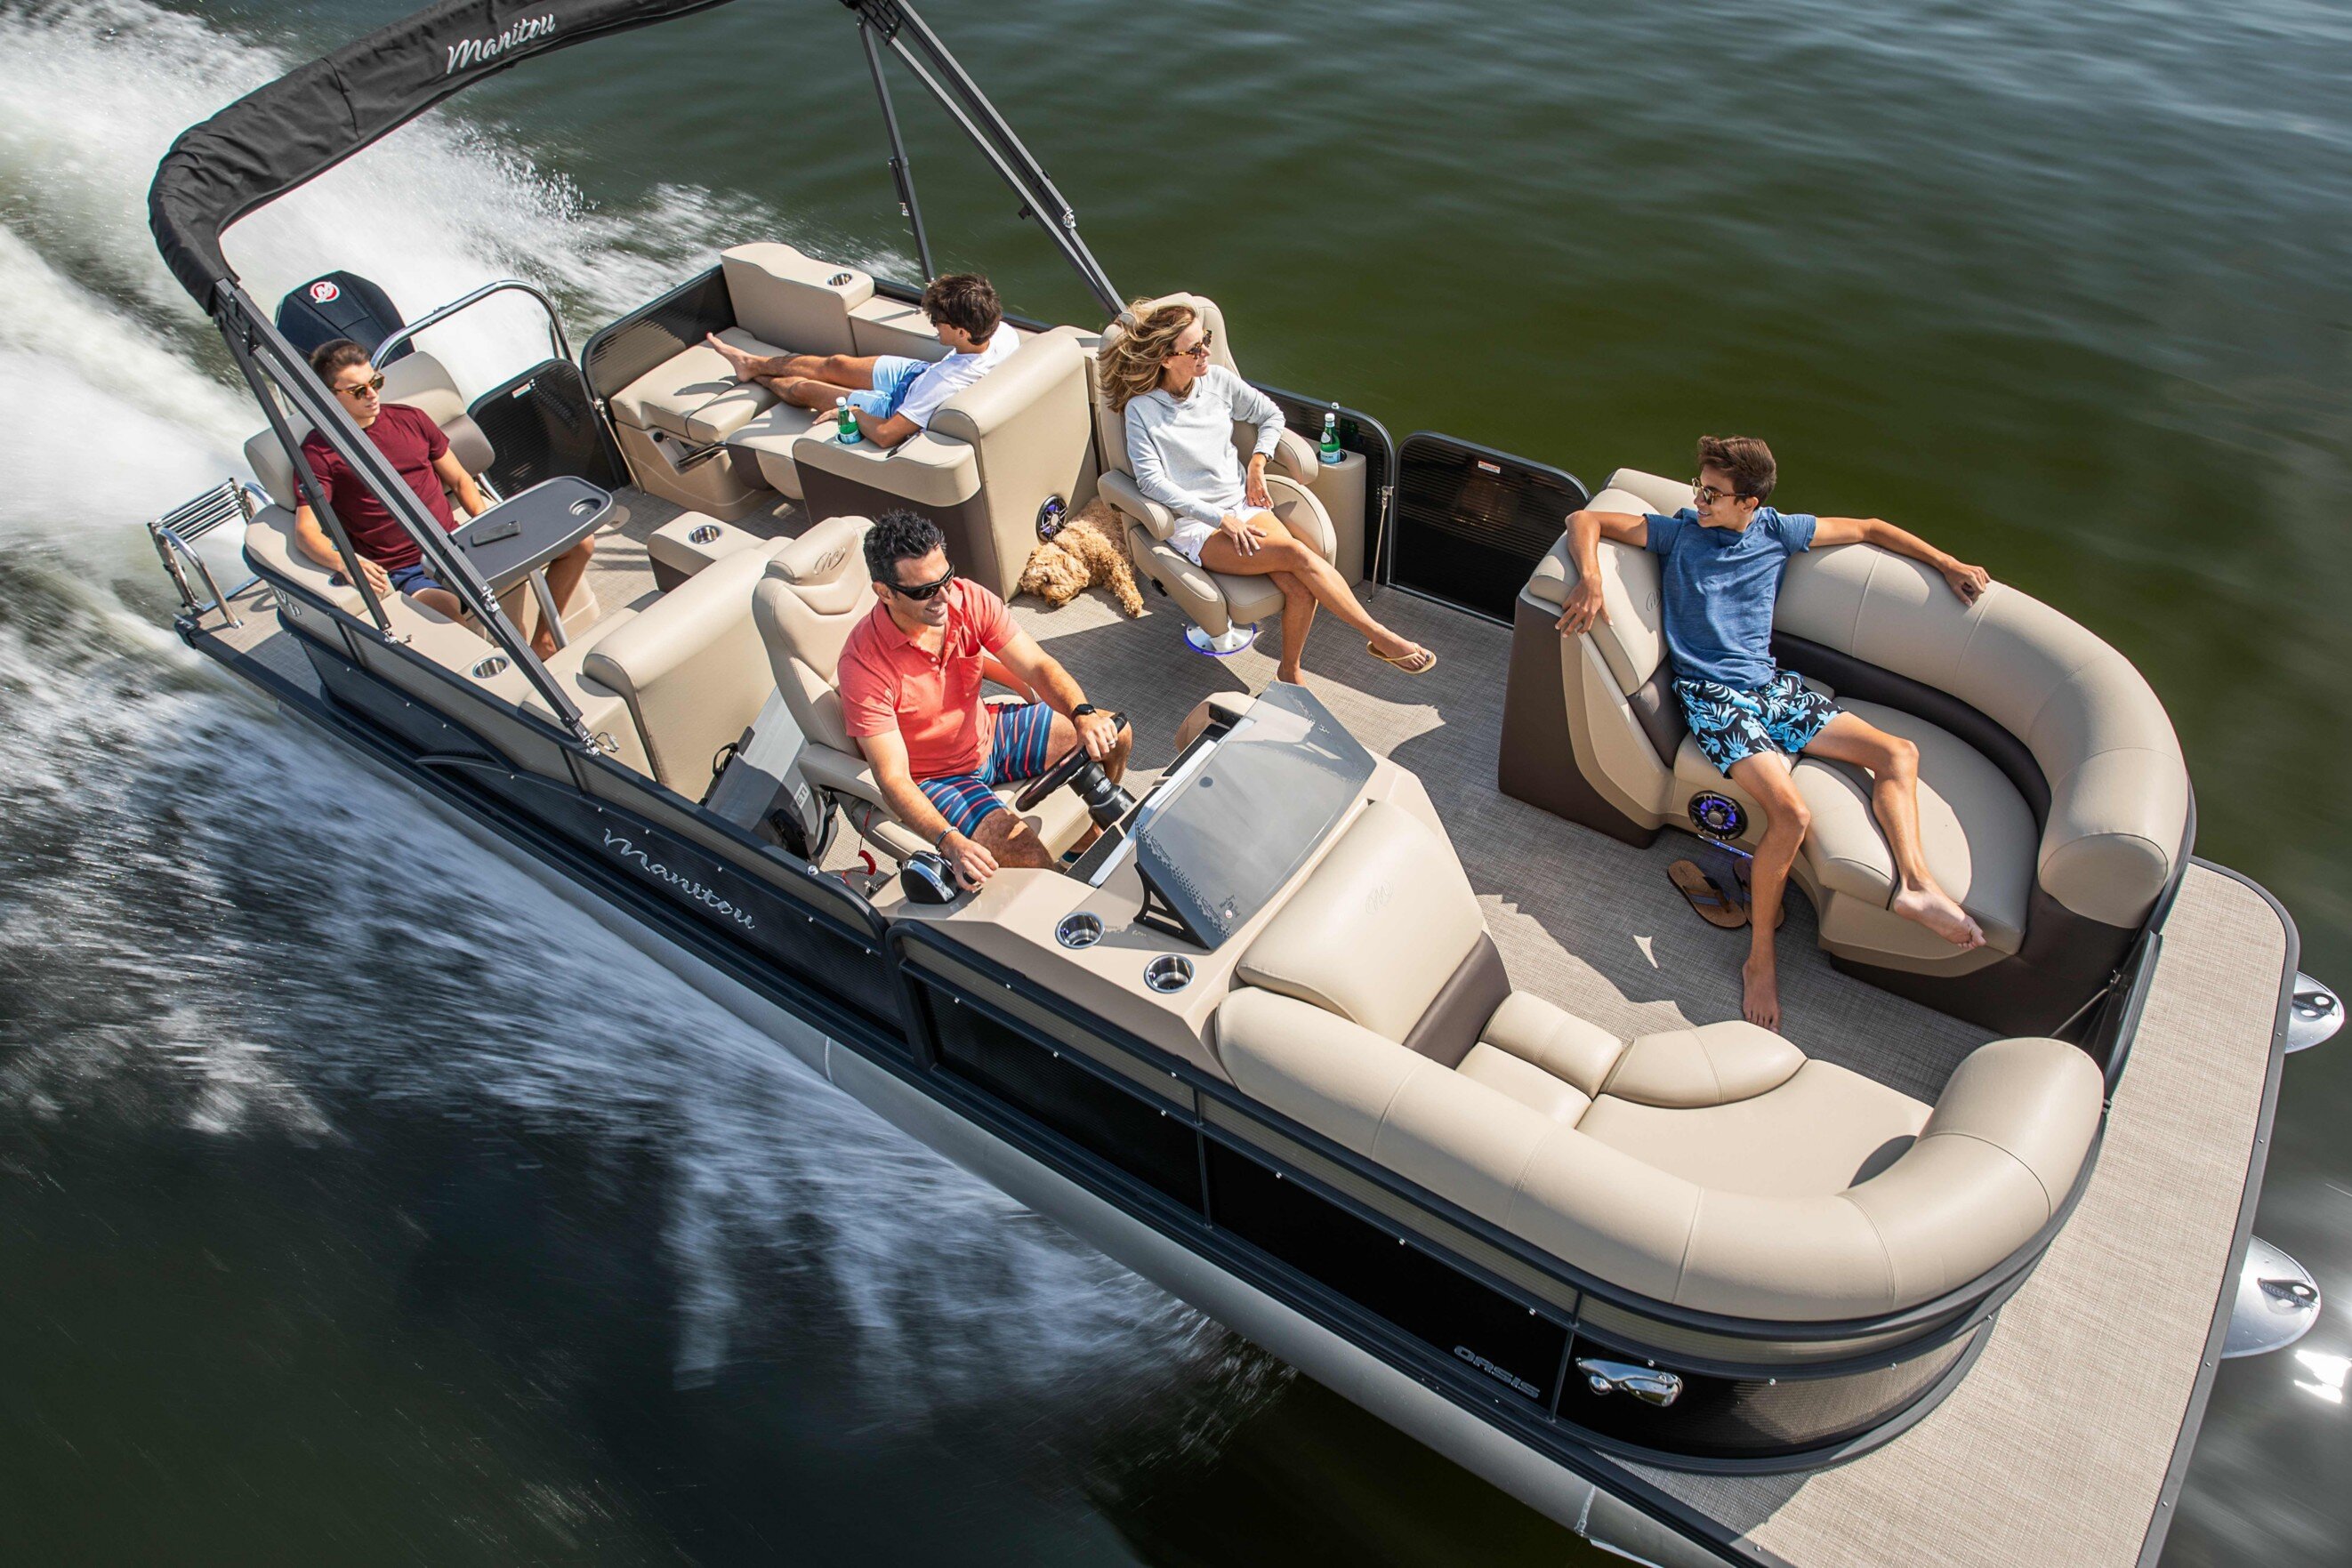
(1146, 337)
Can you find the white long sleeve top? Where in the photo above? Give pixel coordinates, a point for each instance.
(1182, 452)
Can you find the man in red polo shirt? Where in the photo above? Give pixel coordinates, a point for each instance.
(909, 678)
(420, 454)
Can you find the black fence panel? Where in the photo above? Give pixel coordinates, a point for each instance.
(541, 424)
(661, 330)
(1470, 523)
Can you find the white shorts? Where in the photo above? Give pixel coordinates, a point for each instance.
(1190, 535)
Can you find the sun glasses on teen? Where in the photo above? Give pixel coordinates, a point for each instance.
(921, 591)
(1707, 494)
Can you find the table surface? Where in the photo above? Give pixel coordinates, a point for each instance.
(555, 515)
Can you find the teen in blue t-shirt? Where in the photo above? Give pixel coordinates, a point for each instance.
(1720, 564)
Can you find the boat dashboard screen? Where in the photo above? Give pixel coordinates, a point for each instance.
(1219, 840)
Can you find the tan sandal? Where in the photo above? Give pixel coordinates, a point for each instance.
(1748, 897)
(1419, 663)
(1708, 902)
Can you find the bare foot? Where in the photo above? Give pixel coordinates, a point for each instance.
(1289, 673)
(1932, 908)
(544, 645)
(737, 360)
(1759, 986)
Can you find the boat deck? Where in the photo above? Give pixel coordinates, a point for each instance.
(2064, 1443)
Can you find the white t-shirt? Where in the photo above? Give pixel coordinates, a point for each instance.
(942, 378)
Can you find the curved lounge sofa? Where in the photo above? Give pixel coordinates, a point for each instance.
(2054, 802)
(1714, 1169)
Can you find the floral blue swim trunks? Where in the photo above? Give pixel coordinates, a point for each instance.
(1730, 725)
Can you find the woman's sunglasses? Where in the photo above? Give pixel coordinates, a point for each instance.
(923, 591)
(372, 386)
(1199, 350)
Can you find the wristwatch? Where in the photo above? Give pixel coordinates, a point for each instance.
(1083, 709)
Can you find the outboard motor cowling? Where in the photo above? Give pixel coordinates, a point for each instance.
(338, 305)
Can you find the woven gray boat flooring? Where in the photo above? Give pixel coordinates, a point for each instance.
(2053, 1448)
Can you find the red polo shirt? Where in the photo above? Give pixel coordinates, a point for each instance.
(412, 443)
(931, 700)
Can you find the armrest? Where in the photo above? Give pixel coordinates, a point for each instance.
(1633, 641)
(1120, 489)
(928, 469)
(1294, 455)
(1303, 515)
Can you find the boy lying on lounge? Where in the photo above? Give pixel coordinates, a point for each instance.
(1720, 562)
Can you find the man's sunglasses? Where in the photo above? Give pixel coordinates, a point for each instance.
(923, 591)
(1707, 494)
(375, 384)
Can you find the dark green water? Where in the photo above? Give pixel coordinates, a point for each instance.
(359, 1203)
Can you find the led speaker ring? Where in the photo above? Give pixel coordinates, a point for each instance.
(1717, 816)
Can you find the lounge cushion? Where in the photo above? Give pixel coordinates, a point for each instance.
(694, 396)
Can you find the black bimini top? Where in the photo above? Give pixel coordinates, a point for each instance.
(307, 121)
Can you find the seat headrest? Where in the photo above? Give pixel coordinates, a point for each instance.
(825, 567)
(1376, 930)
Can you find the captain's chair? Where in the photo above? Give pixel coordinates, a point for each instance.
(1226, 607)
(814, 591)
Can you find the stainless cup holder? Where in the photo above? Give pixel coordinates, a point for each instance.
(1079, 930)
(1168, 973)
(841, 280)
(708, 533)
(490, 668)
(582, 506)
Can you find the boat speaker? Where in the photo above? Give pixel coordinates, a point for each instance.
(1717, 816)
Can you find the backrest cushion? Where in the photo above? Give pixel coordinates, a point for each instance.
(1111, 428)
(794, 301)
(1377, 928)
(692, 669)
(812, 595)
(2118, 784)
(418, 379)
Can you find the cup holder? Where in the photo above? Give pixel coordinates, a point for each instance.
(1079, 930)
(707, 534)
(841, 280)
(490, 668)
(1168, 973)
(582, 506)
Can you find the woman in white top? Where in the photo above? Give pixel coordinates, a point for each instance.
(1180, 411)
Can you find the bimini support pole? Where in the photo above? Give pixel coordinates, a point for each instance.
(914, 42)
(267, 359)
(902, 174)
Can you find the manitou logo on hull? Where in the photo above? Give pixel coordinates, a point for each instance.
(481, 51)
(694, 890)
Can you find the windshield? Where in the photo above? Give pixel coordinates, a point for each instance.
(1227, 837)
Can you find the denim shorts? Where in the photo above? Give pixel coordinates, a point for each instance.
(1783, 715)
(414, 578)
(892, 374)
(1024, 731)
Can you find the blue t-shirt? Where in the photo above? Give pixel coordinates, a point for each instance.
(1719, 590)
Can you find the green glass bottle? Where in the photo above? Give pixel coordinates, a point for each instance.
(845, 422)
(1331, 451)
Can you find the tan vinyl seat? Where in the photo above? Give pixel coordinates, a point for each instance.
(814, 591)
(2053, 798)
(1714, 1168)
(422, 382)
(992, 459)
(692, 669)
(1216, 601)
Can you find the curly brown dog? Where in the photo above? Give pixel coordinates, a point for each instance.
(1083, 554)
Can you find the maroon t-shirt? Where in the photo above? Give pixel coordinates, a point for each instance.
(410, 441)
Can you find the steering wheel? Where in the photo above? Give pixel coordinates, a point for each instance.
(1106, 802)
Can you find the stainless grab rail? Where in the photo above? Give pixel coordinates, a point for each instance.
(174, 535)
(434, 318)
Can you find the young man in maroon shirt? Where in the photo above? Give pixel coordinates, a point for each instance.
(420, 454)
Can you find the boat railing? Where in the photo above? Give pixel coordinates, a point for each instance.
(400, 336)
